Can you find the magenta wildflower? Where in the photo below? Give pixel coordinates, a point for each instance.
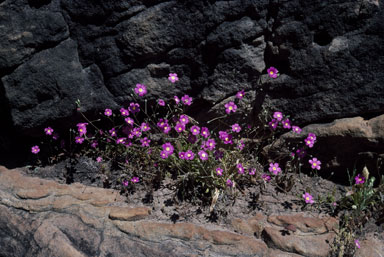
(252, 171)
(315, 163)
(184, 119)
(205, 132)
(240, 94)
(312, 136)
(230, 107)
(210, 144)
(166, 128)
(108, 112)
(241, 145)
(135, 180)
(177, 100)
(359, 179)
(266, 177)
(94, 144)
(48, 131)
(273, 72)
(112, 131)
(173, 77)
(187, 100)
(125, 182)
(129, 121)
(274, 168)
(162, 123)
(144, 127)
(124, 112)
(287, 124)
(189, 155)
(134, 107)
(240, 168)
(120, 140)
(164, 154)
(309, 142)
(79, 140)
(296, 129)
(236, 128)
(357, 243)
(308, 198)
(82, 128)
(136, 132)
(181, 155)
(195, 130)
(140, 89)
(219, 171)
(278, 116)
(35, 149)
(203, 155)
(273, 124)
(99, 159)
(179, 127)
(161, 102)
(145, 141)
(168, 148)
(229, 183)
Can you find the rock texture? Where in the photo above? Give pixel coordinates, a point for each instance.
(53, 52)
(43, 218)
(343, 144)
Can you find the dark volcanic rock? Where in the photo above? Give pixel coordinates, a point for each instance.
(330, 55)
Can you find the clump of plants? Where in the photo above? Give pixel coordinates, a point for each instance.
(150, 144)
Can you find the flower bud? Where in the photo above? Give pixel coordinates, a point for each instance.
(365, 172)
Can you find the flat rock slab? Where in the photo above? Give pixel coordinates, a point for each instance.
(44, 218)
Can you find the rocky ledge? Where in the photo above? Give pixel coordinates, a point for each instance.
(44, 218)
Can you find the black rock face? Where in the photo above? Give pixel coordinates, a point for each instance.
(330, 55)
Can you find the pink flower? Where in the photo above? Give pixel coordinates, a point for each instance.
(273, 124)
(94, 144)
(312, 136)
(135, 180)
(287, 124)
(296, 129)
(278, 116)
(187, 100)
(161, 102)
(274, 168)
(229, 183)
(189, 155)
(184, 119)
(357, 243)
(219, 171)
(241, 145)
(134, 107)
(204, 132)
(308, 198)
(273, 72)
(173, 77)
(145, 141)
(79, 140)
(179, 127)
(112, 131)
(99, 159)
(210, 144)
(195, 130)
(315, 163)
(82, 128)
(181, 155)
(124, 112)
(177, 100)
(266, 177)
(203, 155)
(225, 137)
(108, 112)
(125, 182)
(252, 171)
(230, 107)
(309, 142)
(240, 94)
(240, 168)
(164, 155)
(236, 128)
(136, 132)
(162, 123)
(35, 149)
(120, 140)
(48, 131)
(359, 179)
(140, 89)
(166, 128)
(129, 121)
(168, 148)
(144, 127)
